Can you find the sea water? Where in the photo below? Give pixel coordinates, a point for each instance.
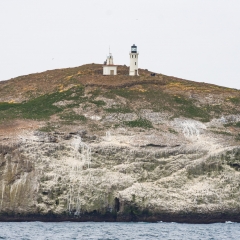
(91, 230)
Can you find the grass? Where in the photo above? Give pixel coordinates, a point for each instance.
(40, 108)
(148, 97)
(72, 116)
(122, 92)
(143, 97)
(222, 132)
(98, 103)
(5, 106)
(237, 124)
(237, 138)
(141, 123)
(95, 93)
(119, 109)
(181, 100)
(234, 100)
(191, 111)
(47, 128)
(161, 101)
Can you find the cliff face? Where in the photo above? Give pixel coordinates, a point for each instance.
(147, 148)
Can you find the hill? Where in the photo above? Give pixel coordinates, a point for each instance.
(76, 145)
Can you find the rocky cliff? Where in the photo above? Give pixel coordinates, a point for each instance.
(76, 145)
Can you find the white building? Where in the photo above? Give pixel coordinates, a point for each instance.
(109, 68)
(133, 69)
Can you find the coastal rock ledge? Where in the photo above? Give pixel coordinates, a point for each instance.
(77, 176)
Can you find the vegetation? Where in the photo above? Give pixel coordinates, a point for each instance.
(234, 100)
(166, 94)
(238, 137)
(5, 106)
(222, 132)
(232, 124)
(205, 167)
(47, 128)
(160, 101)
(232, 159)
(98, 103)
(172, 131)
(119, 109)
(95, 93)
(142, 123)
(40, 108)
(71, 116)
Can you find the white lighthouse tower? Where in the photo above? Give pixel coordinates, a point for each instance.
(133, 69)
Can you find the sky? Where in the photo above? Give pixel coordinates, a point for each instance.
(197, 40)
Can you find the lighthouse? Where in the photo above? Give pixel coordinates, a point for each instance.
(108, 67)
(133, 69)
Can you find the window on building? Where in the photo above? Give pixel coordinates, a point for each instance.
(135, 63)
(135, 56)
(132, 56)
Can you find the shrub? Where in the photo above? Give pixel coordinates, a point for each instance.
(237, 124)
(72, 116)
(142, 123)
(5, 106)
(99, 103)
(119, 109)
(238, 137)
(234, 100)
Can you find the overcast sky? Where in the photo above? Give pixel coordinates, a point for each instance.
(192, 39)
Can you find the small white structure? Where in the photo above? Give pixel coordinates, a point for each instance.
(109, 68)
(133, 69)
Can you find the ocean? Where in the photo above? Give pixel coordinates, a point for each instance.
(103, 230)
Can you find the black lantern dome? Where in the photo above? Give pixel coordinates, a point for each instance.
(133, 49)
